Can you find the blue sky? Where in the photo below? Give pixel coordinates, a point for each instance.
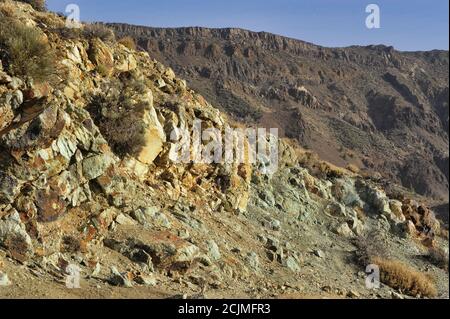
(405, 24)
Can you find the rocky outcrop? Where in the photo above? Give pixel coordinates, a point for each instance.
(383, 107)
(91, 179)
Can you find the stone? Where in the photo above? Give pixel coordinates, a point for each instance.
(378, 200)
(122, 219)
(337, 209)
(151, 215)
(15, 99)
(274, 224)
(139, 169)
(410, 228)
(160, 219)
(345, 192)
(252, 260)
(395, 295)
(126, 63)
(291, 264)
(119, 279)
(73, 54)
(101, 55)
(15, 83)
(65, 146)
(4, 78)
(267, 197)
(353, 294)
(139, 216)
(397, 209)
(160, 83)
(357, 226)
(4, 280)
(319, 253)
(154, 137)
(213, 250)
(146, 280)
(344, 230)
(168, 252)
(95, 166)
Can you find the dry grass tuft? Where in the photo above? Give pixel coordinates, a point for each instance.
(402, 277)
(353, 168)
(100, 31)
(329, 170)
(394, 274)
(25, 52)
(7, 9)
(128, 42)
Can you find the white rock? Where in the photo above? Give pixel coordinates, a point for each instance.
(125, 220)
(4, 280)
(344, 230)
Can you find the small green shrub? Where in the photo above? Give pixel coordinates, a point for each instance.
(25, 52)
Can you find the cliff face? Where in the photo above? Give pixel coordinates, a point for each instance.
(382, 110)
(88, 182)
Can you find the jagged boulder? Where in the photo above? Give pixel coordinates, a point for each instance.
(102, 57)
(154, 137)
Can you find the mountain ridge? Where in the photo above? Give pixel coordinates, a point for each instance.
(229, 30)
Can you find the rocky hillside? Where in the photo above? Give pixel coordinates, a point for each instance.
(383, 111)
(88, 185)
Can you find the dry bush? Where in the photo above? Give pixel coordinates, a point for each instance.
(402, 277)
(128, 42)
(7, 9)
(438, 257)
(119, 118)
(368, 247)
(329, 170)
(371, 250)
(38, 5)
(68, 33)
(98, 30)
(50, 20)
(353, 168)
(25, 52)
(444, 233)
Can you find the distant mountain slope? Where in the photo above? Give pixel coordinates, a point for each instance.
(382, 110)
